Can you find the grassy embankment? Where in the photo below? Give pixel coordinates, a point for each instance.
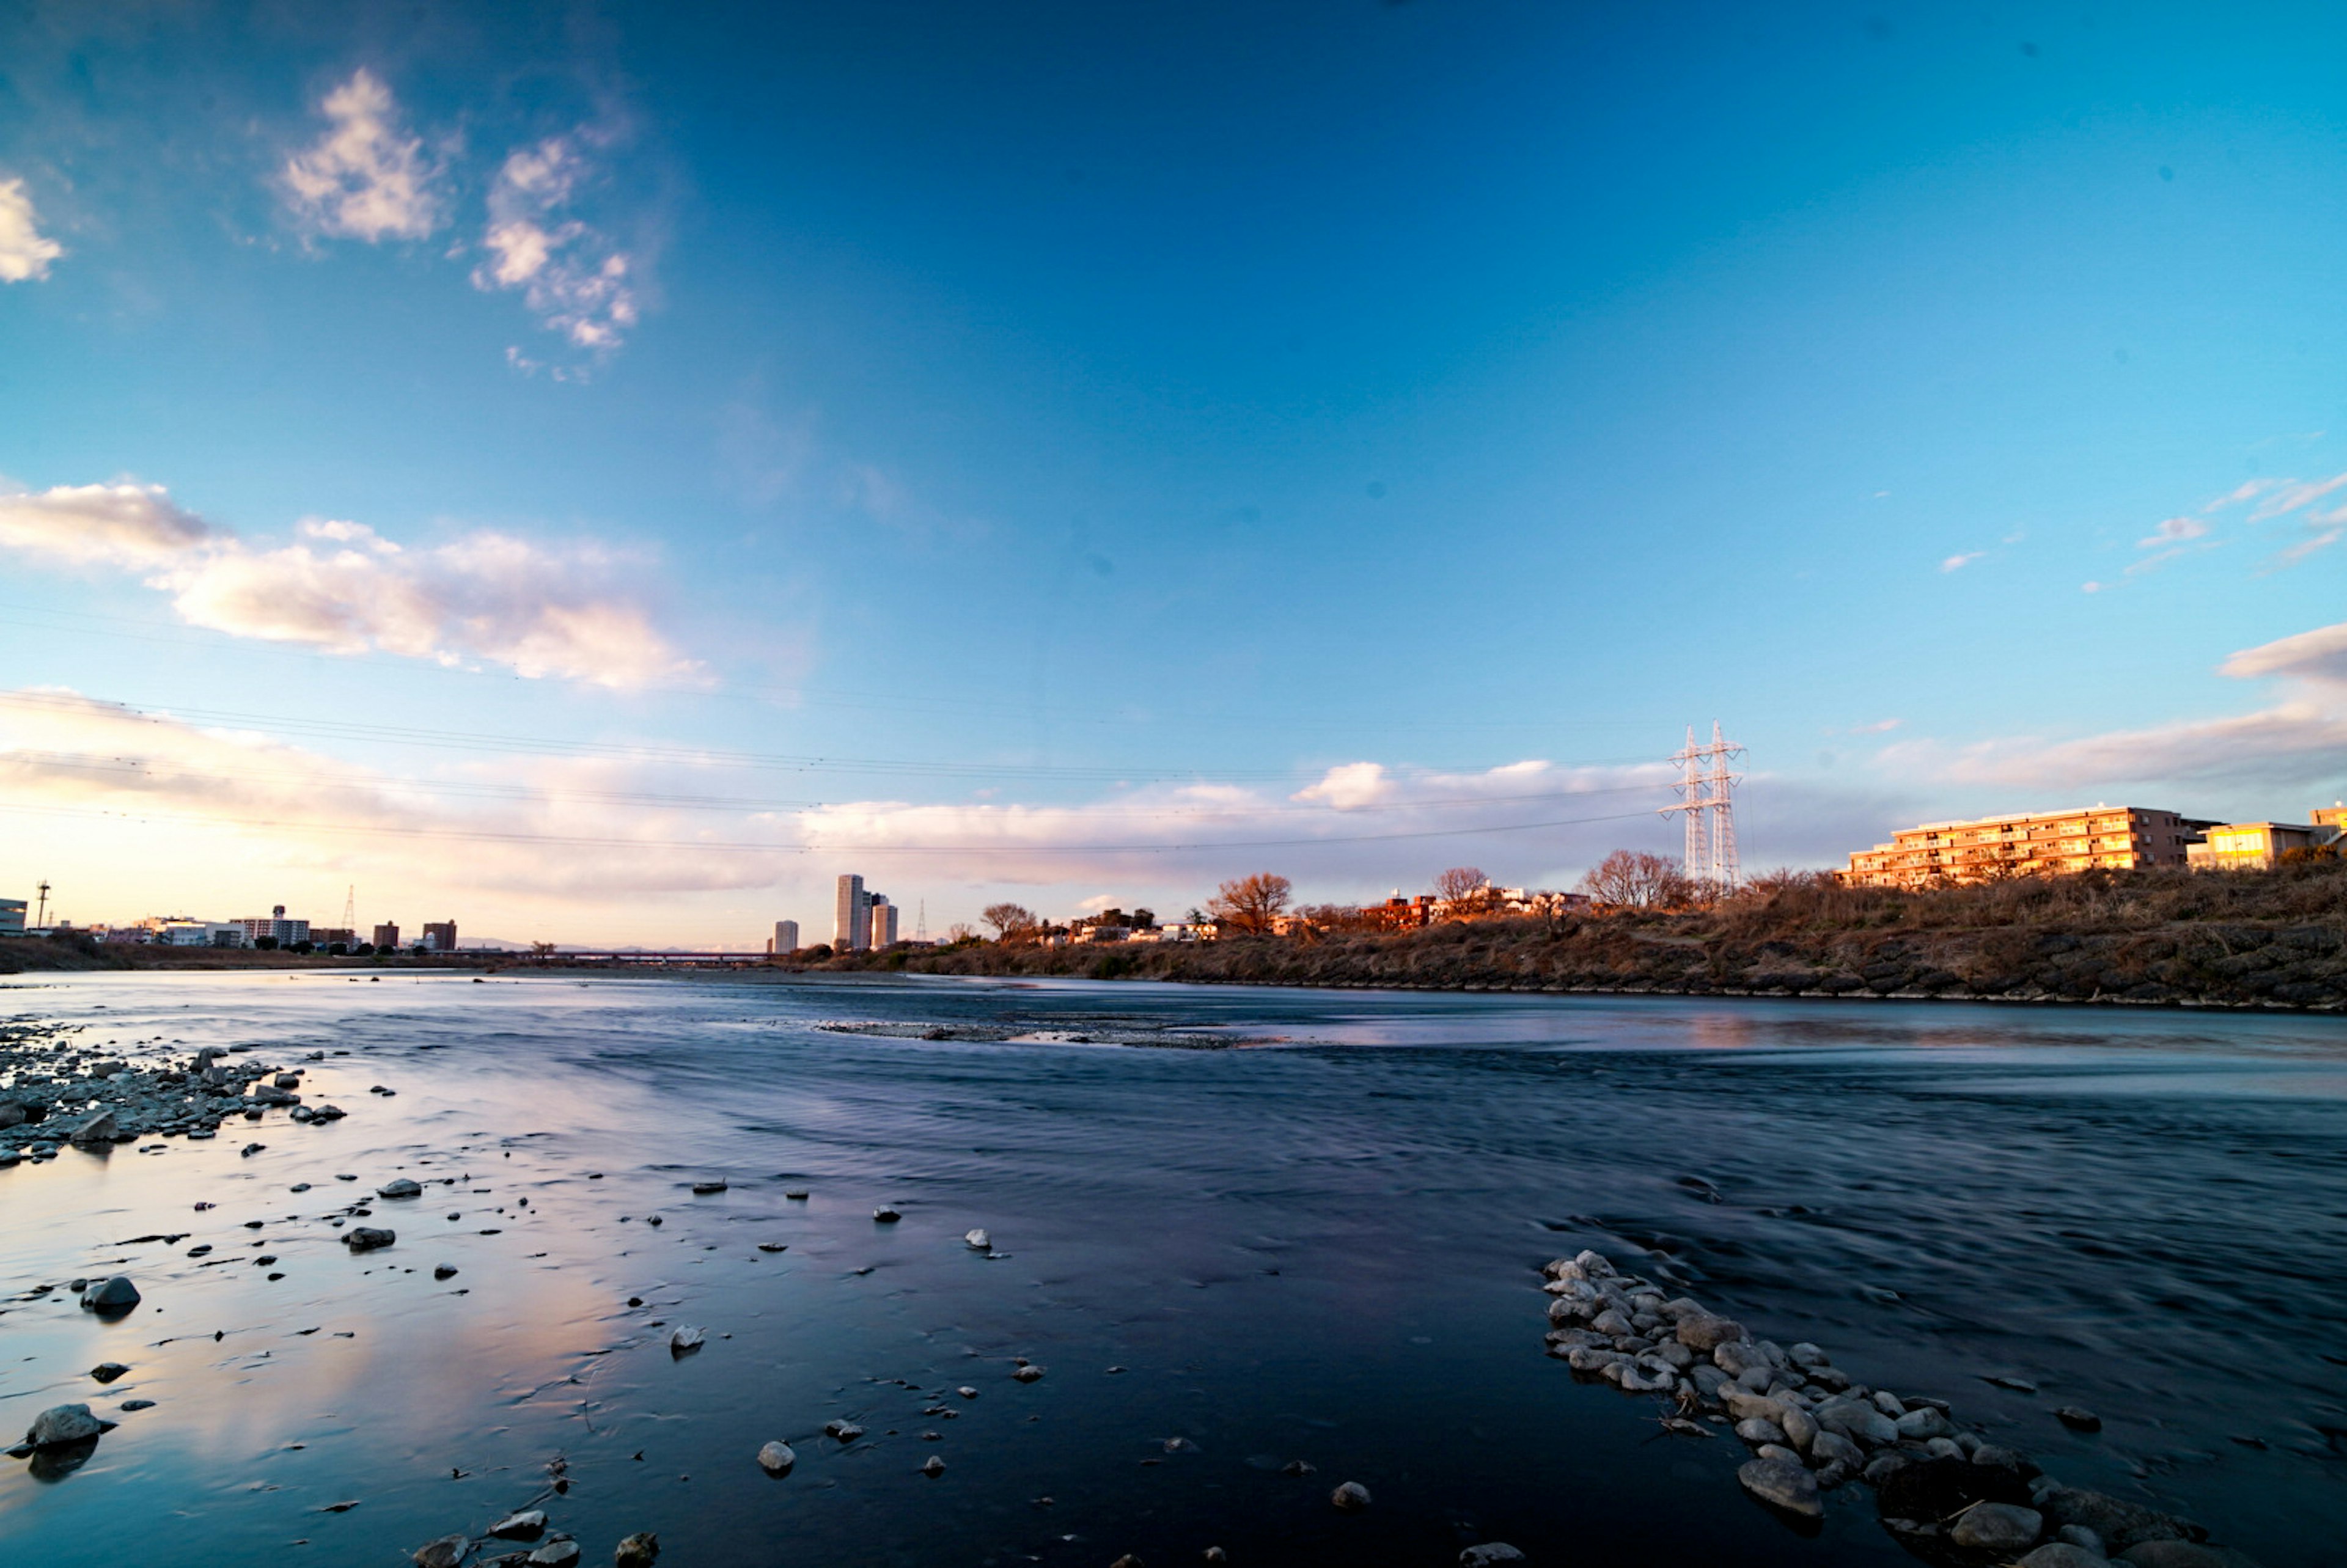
(2274, 938)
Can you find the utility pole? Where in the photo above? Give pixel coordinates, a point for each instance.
(41, 913)
(1707, 801)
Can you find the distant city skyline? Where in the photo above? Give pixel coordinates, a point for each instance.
(601, 471)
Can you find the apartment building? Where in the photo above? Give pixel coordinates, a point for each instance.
(851, 917)
(440, 935)
(12, 916)
(386, 935)
(785, 940)
(882, 932)
(276, 925)
(2039, 844)
(2260, 846)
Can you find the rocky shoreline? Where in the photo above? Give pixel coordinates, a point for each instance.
(1943, 1492)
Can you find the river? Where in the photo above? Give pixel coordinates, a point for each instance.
(1236, 1227)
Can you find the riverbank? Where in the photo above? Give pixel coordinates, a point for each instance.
(2156, 938)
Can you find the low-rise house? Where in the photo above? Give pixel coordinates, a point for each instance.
(2257, 845)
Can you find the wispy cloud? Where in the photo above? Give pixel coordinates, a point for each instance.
(365, 178)
(2173, 532)
(1958, 562)
(24, 252)
(571, 276)
(342, 588)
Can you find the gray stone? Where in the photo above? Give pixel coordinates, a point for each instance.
(527, 1525)
(1860, 1423)
(776, 1459)
(2079, 1535)
(704, 1189)
(12, 1114)
(2078, 1420)
(107, 1371)
(98, 1129)
(115, 1294)
(933, 1467)
(1996, 1458)
(2120, 1523)
(1888, 1403)
(1744, 1405)
(1612, 1324)
(1735, 1356)
(2062, 1554)
(1707, 1333)
(444, 1552)
(978, 1240)
(1801, 1428)
(1776, 1451)
(563, 1554)
(1943, 1448)
(1922, 1424)
(62, 1424)
(1997, 1527)
(1832, 1448)
(367, 1238)
(843, 1431)
(1785, 1487)
(683, 1340)
(1756, 1430)
(1489, 1552)
(1593, 1264)
(887, 1216)
(1352, 1496)
(401, 1188)
(638, 1551)
(1029, 1374)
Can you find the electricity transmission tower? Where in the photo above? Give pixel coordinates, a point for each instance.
(350, 912)
(1705, 799)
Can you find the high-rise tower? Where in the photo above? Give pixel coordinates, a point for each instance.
(1707, 801)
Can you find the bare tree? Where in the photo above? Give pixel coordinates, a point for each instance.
(1250, 904)
(1631, 879)
(1012, 923)
(960, 931)
(1466, 892)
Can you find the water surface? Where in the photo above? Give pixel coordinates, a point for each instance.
(1320, 1244)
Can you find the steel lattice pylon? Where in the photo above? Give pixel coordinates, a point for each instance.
(1707, 800)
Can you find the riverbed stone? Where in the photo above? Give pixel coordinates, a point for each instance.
(1758, 1430)
(1922, 1424)
(107, 1371)
(527, 1525)
(1997, 1527)
(2120, 1523)
(561, 1553)
(638, 1551)
(1489, 1552)
(445, 1552)
(978, 1240)
(62, 1424)
(1351, 1496)
(1832, 1448)
(110, 1296)
(1708, 1332)
(684, 1339)
(2078, 1418)
(1782, 1485)
(776, 1459)
(1860, 1423)
(1800, 1427)
(2062, 1554)
(368, 1238)
(401, 1188)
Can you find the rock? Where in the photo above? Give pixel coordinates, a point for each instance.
(2001, 1527)
(563, 1554)
(445, 1552)
(62, 1424)
(107, 1371)
(1737, 1357)
(1490, 1551)
(367, 1238)
(1800, 1427)
(98, 1129)
(1757, 1430)
(1028, 1374)
(2078, 1420)
(402, 1188)
(287, 1081)
(978, 1240)
(2078, 1535)
(116, 1295)
(1352, 1496)
(444, 1271)
(526, 1525)
(1922, 1424)
(2120, 1523)
(1707, 1333)
(1996, 1458)
(1783, 1486)
(137, 1404)
(933, 1467)
(886, 1215)
(12, 1114)
(1860, 1423)
(1776, 1451)
(683, 1340)
(704, 1189)
(2062, 1554)
(776, 1459)
(1832, 1448)
(845, 1431)
(638, 1551)
(1593, 1264)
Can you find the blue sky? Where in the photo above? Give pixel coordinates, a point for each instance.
(600, 473)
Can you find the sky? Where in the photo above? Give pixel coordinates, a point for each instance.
(599, 472)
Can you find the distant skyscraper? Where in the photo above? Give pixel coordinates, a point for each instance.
(883, 933)
(785, 938)
(387, 935)
(851, 917)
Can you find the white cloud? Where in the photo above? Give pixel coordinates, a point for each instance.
(1958, 562)
(2289, 494)
(364, 179)
(571, 276)
(343, 587)
(1350, 786)
(99, 525)
(2317, 655)
(24, 252)
(2173, 532)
